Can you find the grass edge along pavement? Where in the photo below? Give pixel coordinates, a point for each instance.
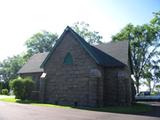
(136, 108)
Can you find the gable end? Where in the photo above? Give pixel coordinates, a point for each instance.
(99, 57)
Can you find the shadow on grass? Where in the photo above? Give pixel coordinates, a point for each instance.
(26, 101)
(145, 109)
(136, 108)
(142, 109)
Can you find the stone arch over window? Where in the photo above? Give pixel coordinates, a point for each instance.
(68, 59)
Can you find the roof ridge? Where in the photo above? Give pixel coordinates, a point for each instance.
(91, 51)
(104, 43)
(92, 47)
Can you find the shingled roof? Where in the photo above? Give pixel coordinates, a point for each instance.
(118, 50)
(33, 64)
(112, 54)
(99, 56)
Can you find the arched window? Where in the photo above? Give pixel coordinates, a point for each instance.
(68, 59)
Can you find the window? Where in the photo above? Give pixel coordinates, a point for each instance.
(68, 59)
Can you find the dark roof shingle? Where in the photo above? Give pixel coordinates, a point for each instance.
(33, 64)
(118, 50)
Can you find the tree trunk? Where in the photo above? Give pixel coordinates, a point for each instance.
(137, 84)
(149, 85)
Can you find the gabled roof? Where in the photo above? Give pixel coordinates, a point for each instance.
(100, 57)
(118, 50)
(113, 54)
(33, 64)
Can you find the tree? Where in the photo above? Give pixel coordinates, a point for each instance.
(153, 72)
(156, 72)
(83, 30)
(144, 44)
(40, 42)
(9, 68)
(158, 88)
(148, 77)
(124, 34)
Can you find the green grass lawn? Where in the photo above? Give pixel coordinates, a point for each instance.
(13, 100)
(136, 108)
(7, 98)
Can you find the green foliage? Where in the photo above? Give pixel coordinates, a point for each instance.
(151, 75)
(40, 42)
(144, 44)
(9, 68)
(18, 88)
(5, 92)
(156, 19)
(158, 88)
(124, 33)
(29, 85)
(22, 88)
(83, 30)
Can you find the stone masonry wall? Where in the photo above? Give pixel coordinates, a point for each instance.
(71, 84)
(117, 86)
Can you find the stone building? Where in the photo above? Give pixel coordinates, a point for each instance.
(76, 73)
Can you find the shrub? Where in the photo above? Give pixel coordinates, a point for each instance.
(22, 88)
(18, 88)
(5, 92)
(29, 85)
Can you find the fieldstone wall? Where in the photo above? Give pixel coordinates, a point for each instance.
(71, 84)
(117, 86)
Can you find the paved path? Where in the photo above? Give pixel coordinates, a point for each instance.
(14, 111)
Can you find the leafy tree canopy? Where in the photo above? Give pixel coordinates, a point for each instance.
(41, 42)
(9, 68)
(145, 44)
(83, 29)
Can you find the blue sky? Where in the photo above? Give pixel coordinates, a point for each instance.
(130, 11)
(20, 19)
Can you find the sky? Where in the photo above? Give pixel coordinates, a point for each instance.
(20, 19)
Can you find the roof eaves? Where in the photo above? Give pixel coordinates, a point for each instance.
(19, 73)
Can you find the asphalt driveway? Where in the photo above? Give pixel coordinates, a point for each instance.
(14, 111)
